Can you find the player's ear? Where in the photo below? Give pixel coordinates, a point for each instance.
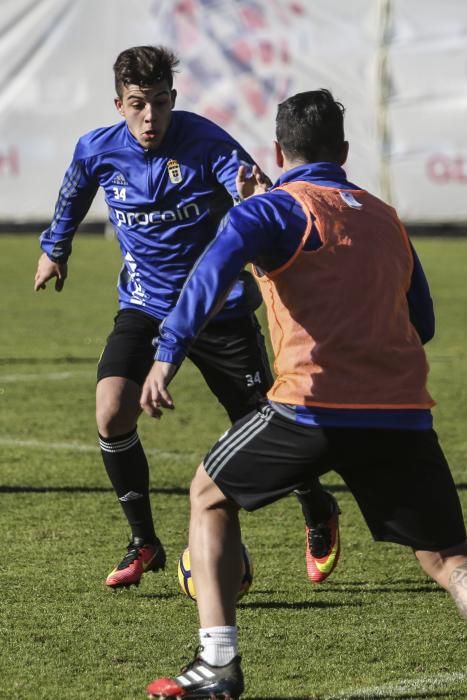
(119, 105)
(279, 154)
(173, 96)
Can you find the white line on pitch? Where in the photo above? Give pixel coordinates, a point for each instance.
(49, 376)
(401, 688)
(80, 447)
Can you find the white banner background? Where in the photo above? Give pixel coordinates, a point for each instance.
(399, 67)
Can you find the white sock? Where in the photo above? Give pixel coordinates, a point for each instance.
(219, 644)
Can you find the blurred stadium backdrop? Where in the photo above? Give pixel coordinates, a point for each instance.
(399, 67)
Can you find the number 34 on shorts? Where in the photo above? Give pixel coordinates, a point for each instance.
(252, 379)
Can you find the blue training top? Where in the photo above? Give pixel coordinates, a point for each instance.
(267, 230)
(165, 206)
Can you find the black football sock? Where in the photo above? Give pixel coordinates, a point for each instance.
(128, 470)
(316, 503)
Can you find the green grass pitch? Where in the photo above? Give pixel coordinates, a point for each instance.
(377, 629)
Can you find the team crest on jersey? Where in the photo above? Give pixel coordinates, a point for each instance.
(175, 173)
(119, 179)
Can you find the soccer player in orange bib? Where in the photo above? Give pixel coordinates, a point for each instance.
(349, 309)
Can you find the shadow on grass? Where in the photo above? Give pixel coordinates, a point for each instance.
(403, 585)
(152, 596)
(169, 490)
(297, 605)
(282, 605)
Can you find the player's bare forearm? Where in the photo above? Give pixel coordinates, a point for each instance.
(47, 269)
(155, 395)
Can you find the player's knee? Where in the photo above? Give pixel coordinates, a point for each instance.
(113, 418)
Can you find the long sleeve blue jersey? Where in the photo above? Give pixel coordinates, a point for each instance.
(266, 230)
(165, 206)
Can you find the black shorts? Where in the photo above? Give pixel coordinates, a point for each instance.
(231, 356)
(399, 478)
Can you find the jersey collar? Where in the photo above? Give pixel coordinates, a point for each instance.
(323, 173)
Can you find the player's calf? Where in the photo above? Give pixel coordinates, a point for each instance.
(448, 568)
(457, 587)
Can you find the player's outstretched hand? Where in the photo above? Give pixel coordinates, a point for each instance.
(154, 395)
(250, 181)
(47, 269)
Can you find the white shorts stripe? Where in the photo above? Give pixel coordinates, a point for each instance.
(237, 441)
(225, 443)
(238, 447)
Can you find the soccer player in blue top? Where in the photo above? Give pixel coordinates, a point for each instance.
(168, 178)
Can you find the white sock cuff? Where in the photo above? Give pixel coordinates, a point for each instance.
(225, 631)
(219, 644)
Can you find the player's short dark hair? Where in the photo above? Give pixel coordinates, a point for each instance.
(309, 125)
(144, 66)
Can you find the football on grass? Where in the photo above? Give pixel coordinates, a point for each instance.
(186, 582)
